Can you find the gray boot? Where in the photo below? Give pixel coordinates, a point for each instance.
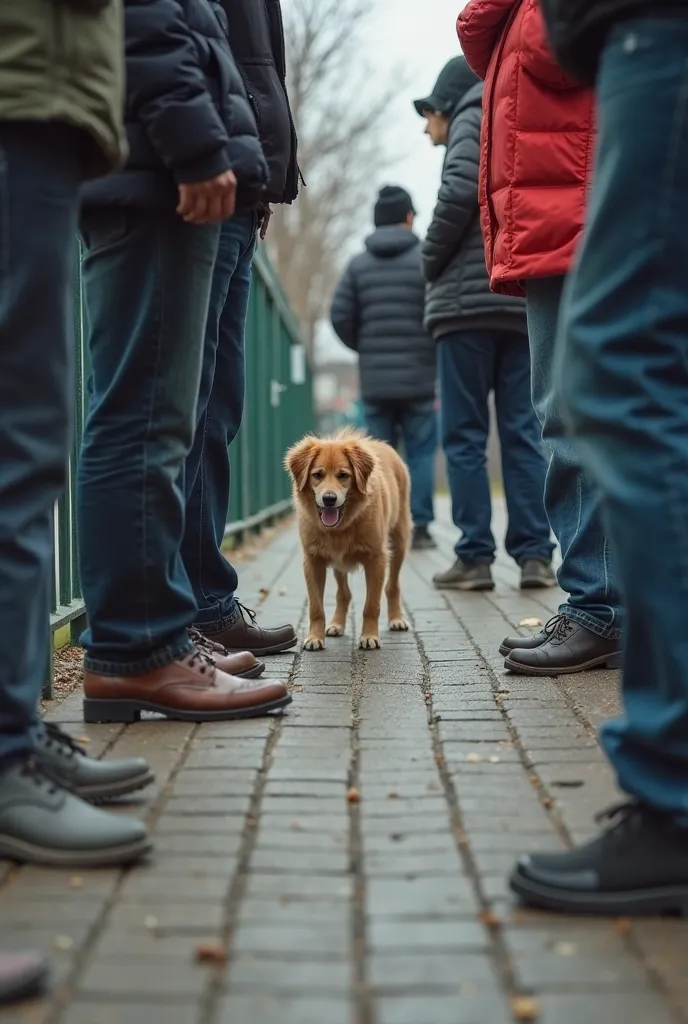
(43, 823)
(465, 576)
(87, 777)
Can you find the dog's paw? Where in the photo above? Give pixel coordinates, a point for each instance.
(398, 625)
(334, 630)
(313, 643)
(369, 643)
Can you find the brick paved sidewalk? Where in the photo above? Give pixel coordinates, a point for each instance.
(392, 910)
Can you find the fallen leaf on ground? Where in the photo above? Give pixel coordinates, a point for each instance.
(210, 953)
(264, 592)
(547, 802)
(530, 623)
(83, 739)
(392, 796)
(63, 942)
(525, 1008)
(353, 796)
(76, 882)
(473, 758)
(568, 783)
(503, 693)
(624, 926)
(494, 760)
(490, 919)
(150, 922)
(565, 948)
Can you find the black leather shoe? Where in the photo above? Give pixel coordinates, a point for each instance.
(537, 575)
(568, 648)
(638, 866)
(41, 822)
(90, 779)
(244, 634)
(527, 643)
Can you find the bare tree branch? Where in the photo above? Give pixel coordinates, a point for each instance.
(341, 115)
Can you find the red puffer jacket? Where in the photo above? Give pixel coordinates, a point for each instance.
(537, 144)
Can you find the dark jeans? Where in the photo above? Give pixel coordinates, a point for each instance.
(572, 498)
(472, 364)
(40, 176)
(414, 423)
(625, 382)
(220, 410)
(147, 284)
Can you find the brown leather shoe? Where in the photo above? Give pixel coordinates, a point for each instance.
(192, 689)
(243, 664)
(245, 635)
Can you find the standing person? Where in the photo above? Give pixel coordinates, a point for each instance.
(483, 347)
(377, 311)
(624, 376)
(60, 123)
(536, 165)
(151, 234)
(257, 40)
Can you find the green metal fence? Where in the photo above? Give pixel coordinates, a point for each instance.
(279, 409)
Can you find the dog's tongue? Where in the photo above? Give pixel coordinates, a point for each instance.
(329, 516)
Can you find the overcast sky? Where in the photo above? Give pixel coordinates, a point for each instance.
(418, 36)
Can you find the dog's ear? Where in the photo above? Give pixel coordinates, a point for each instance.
(362, 465)
(299, 459)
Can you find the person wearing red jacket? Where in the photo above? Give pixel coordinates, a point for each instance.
(536, 163)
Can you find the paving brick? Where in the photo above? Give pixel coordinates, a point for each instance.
(98, 1011)
(315, 941)
(167, 980)
(265, 1009)
(289, 977)
(425, 936)
(473, 1009)
(419, 897)
(432, 972)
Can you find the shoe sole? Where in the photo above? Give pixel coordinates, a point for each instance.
(99, 794)
(464, 586)
(128, 711)
(537, 583)
(252, 673)
(28, 853)
(32, 985)
(277, 649)
(610, 661)
(667, 900)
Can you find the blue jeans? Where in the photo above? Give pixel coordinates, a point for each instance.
(624, 376)
(207, 472)
(472, 364)
(40, 177)
(414, 423)
(147, 285)
(572, 498)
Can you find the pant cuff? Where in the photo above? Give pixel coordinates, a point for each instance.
(214, 620)
(157, 659)
(583, 618)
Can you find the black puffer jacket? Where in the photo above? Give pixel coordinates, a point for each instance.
(256, 35)
(187, 116)
(459, 296)
(377, 311)
(578, 28)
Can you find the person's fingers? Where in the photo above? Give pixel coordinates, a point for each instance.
(184, 204)
(215, 206)
(229, 201)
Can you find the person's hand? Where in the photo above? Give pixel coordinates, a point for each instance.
(208, 202)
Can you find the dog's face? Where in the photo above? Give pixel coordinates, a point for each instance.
(335, 472)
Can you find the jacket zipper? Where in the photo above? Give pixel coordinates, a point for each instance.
(488, 158)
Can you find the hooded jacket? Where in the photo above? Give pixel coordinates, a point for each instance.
(538, 138)
(377, 311)
(187, 115)
(459, 296)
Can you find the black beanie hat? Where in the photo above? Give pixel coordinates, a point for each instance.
(393, 206)
(454, 81)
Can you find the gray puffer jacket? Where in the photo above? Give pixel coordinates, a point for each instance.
(377, 311)
(459, 296)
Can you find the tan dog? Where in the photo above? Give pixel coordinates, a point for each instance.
(352, 498)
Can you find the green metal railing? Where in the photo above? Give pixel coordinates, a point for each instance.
(279, 409)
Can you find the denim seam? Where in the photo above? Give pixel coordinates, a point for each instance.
(609, 632)
(160, 658)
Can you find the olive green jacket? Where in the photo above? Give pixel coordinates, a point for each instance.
(63, 60)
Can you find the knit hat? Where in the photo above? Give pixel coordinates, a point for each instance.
(455, 79)
(393, 206)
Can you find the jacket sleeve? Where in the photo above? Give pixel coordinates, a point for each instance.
(167, 92)
(536, 53)
(457, 201)
(344, 313)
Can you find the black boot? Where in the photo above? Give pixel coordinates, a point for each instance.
(568, 648)
(638, 866)
(537, 575)
(422, 539)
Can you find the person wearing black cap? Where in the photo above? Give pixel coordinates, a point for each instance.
(377, 311)
(483, 348)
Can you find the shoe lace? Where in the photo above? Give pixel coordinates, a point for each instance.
(42, 776)
(621, 818)
(204, 644)
(559, 627)
(247, 614)
(56, 737)
(201, 661)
